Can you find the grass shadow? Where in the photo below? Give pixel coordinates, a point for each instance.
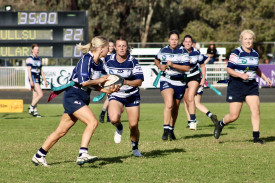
(119, 159)
(268, 139)
(199, 136)
(164, 152)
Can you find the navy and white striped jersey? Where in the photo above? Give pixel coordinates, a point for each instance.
(129, 70)
(196, 59)
(86, 69)
(244, 62)
(177, 56)
(35, 63)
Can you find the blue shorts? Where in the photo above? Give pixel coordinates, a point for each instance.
(237, 90)
(178, 90)
(74, 99)
(133, 100)
(35, 79)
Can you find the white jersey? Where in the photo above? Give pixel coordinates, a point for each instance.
(244, 62)
(129, 70)
(177, 56)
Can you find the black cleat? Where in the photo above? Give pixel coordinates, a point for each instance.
(165, 136)
(218, 130)
(258, 141)
(101, 118)
(172, 136)
(214, 119)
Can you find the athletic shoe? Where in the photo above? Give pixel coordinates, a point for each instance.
(35, 114)
(165, 136)
(214, 119)
(218, 130)
(258, 141)
(30, 109)
(40, 161)
(172, 136)
(193, 125)
(85, 158)
(137, 153)
(118, 136)
(101, 118)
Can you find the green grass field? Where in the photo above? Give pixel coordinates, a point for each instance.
(194, 157)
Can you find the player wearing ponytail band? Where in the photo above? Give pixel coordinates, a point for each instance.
(86, 75)
(243, 68)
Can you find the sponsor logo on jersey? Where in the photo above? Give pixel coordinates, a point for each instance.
(244, 61)
(163, 58)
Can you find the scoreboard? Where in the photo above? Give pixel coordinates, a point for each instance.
(56, 33)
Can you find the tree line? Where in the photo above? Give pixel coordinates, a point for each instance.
(151, 20)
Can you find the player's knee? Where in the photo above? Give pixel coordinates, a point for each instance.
(133, 127)
(169, 106)
(40, 95)
(93, 124)
(234, 117)
(114, 118)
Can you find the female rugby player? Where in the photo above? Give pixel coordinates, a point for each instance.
(242, 68)
(194, 80)
(86, 76)
(123, 64)
(34, 65)
(173, 61)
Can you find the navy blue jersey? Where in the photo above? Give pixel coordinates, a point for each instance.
(244, 62)
(35, 64)
(86, 69)
(177, 56)
(129, 70)
(196, 59)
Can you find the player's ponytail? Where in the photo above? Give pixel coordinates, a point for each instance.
(98, 41)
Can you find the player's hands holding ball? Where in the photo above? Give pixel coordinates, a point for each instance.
(112, 83)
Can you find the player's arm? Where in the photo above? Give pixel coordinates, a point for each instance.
(133, 83)
(203, 73)
(233, 73)
(262, 75)
(159, 65)
(95, 82)
(44, 78)
(184, 68)
(30, 76)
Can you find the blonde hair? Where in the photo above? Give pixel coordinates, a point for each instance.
(98, 41)
(249, 32)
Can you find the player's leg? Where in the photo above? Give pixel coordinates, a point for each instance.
(234, 112)
(167, 95)
(253, 102)
(186, 107)
(104, 109)
(65, 124)
(133, 118)
(115, 110)
(190, 99)
(204, 109)
(37, 96)
(174, 117)
(86, 115)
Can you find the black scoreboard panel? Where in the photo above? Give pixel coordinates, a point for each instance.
(56, 33)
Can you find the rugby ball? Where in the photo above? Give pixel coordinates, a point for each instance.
(113, 79)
